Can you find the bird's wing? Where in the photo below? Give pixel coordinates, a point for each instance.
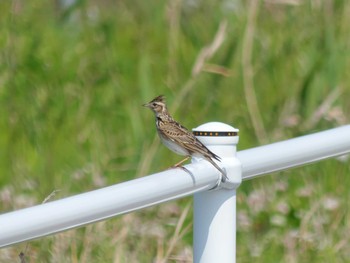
(180, 135)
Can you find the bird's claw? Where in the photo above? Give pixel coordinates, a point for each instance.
(222, 179)
(179, 166)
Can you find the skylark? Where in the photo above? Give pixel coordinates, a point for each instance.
(177, 138)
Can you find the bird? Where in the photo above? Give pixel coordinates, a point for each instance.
(177, 138)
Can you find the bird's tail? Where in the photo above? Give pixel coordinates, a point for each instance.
(217, 167)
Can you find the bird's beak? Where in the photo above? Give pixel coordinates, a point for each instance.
(146, 105)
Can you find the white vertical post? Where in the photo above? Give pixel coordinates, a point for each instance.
(214, 231)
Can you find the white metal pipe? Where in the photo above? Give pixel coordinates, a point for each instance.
(294, 152)
(100, 204)
(104, 203)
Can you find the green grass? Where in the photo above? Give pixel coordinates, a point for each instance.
(72, 82)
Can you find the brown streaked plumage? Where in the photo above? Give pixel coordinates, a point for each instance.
(176, 137)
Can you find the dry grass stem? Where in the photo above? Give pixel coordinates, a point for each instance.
(146, 160)
(248, 74)
(178, 234)
(208, 51)
(173, 14)
(323, 109)
(284, 2)
(53, 193)
(217, 69)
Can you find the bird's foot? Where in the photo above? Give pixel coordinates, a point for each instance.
(222, 179)
(179, 164)
(223, 176)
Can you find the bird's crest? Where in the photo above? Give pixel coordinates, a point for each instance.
(160, 98)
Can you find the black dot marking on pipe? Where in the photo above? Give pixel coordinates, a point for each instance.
(215, 134)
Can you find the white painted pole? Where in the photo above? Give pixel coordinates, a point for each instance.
(214, 229)
(215, 226)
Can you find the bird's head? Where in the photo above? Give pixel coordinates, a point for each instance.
(157, 105)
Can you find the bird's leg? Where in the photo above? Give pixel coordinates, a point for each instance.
(181, 162)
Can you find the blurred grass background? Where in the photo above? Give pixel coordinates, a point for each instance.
(73, 77)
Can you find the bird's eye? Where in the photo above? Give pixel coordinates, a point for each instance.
(154, 104)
